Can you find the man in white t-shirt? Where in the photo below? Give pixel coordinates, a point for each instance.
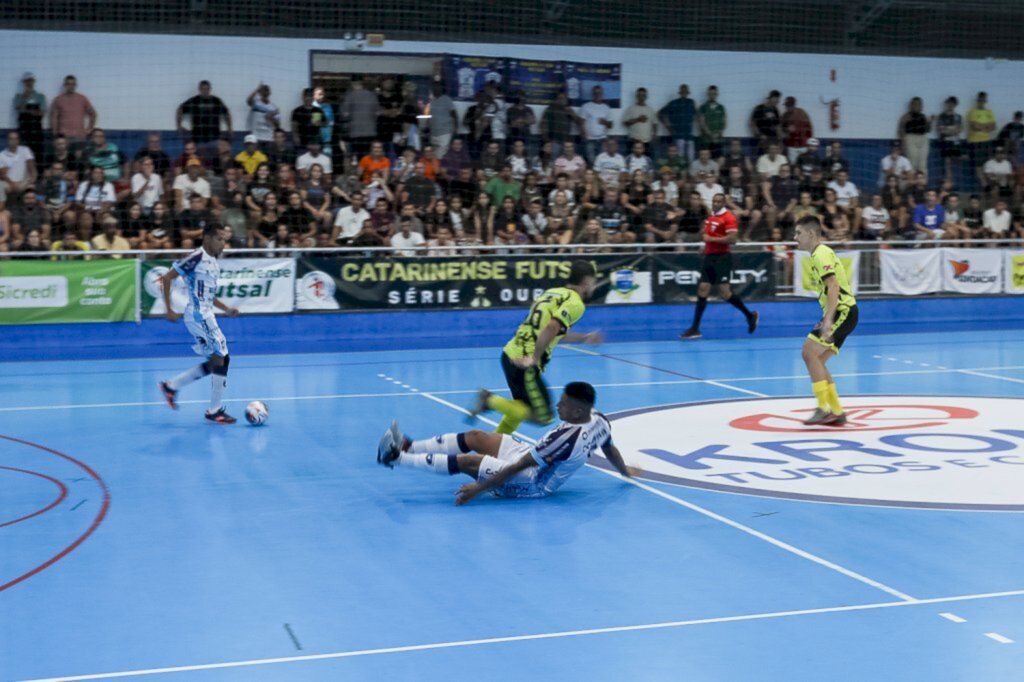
(264, 116)
(894, 163)
(845, 190)
(875, 221)
(349, 220)
(147, 186)
(997, 222)
(708, 188)
(640, 120)
(190, 182)
(314, 155)
(408, 243)
(610, 164)
(597, 120)
(768, 165)
(17, 165)
(997, 172)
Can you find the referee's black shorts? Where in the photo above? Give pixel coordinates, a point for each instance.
(716, 268)
(527, 385)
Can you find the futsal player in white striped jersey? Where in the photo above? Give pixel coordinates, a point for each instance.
(506, 466)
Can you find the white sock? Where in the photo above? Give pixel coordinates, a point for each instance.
(187, 377)
(448, 443)
(439, 464)
(219, 383)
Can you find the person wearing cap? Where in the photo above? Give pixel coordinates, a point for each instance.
(31, 108)
(251, 157)
(797, 128)
(110, 239)
(808, 160)
(190, 183)
(764, 121)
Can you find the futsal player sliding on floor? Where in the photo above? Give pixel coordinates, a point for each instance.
(200, 272)
(506, 466)
(838, 320)
(525, 357)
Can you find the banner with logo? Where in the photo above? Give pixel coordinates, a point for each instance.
(463, 282)
(972, 271)
(465, 75)
(41, 292)
(912, 272)
(676, 276)
(1013, 269)
(581, 78)
(538, 81)
(803, 280)
(253, 285)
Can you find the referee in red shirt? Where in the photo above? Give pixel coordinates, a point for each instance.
(720, 231)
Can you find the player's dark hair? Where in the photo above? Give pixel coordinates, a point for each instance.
(581, 391)
(212, 229)
(811, 223)
(581, 269)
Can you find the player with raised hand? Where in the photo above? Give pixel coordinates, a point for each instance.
(506, 466)
(839, 318)
(527, 354)
(200, 272)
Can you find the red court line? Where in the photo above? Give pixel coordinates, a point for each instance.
(82, 538)
(60, 498)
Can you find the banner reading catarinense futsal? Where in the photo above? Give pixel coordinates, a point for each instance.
(253, 285)
(40, 292)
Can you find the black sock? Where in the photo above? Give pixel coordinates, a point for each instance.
(738, 304)
(702, 303)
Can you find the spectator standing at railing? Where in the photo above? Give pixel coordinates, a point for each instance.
(912, 131)
(30, 107)
(597, 121)
(711, 120)
(358, 114)
(678, 117)
(557, 121)
(520, 121)
(17, 166)
(264, 115)
(110, 239)
(950, 125)
(205, 112)
(981, 124)
(72, 115)
(640, 120)
(765, 122)
(444, 120)
(306, 122)
(797, 129)
(327, 127)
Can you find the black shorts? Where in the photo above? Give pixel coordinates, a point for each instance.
(843, 326)
(716, 268)
(527, 386)
(950, 149)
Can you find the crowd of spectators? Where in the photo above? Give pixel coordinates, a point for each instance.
(382, 169)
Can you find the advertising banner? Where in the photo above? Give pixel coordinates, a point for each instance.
(676, 276)
(972, 271)
(1013, 280)
(581, 78)
(463, 282)
(803, 280)
(41, 292)
(465, 75)
(253, 285)
(538, 81)
(910, 273)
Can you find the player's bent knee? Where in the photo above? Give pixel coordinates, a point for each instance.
(220, 364)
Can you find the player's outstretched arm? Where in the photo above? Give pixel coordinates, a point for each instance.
(471, 490)
(165, 286)
(615, 457)
(232, 312)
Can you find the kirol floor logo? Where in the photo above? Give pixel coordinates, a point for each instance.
(930, 452)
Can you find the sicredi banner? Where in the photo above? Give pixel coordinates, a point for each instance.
(1013, 272)
(803, 279)
(42, 292)
(912, 272)
(253, 285)
(933, 452)
(972, 271)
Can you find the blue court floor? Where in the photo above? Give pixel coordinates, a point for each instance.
(136, 541)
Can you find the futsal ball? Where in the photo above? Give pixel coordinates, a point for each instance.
(256, 412)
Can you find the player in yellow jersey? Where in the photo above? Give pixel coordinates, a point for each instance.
(838, 320)
(525, 357)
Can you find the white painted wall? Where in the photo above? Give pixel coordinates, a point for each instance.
(137, 81)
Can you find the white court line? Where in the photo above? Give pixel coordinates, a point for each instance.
(953, 617)
(669, 382)
(718, 517)
(534, 637)
(974, 373)
(999, 638)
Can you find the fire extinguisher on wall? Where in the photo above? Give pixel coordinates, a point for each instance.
(833, 114)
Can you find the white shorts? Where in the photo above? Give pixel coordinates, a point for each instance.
(209, 338)
(523, 484)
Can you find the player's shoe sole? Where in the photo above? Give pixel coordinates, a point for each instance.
(479, 406)
(819, 418)
(691, 335)
(220, 417)
(169, 395)
(388, 448)
(752, 322)
(836, 420)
